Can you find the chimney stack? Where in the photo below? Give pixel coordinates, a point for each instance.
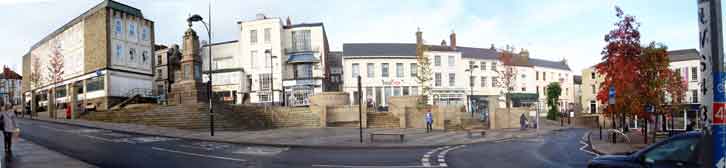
(492, 47)
(288, 22)
(419, 38)
(452, 40)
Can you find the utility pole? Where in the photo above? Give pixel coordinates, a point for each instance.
(360, 110)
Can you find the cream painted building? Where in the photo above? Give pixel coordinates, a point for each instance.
(272, 62)
(389, 69)
(106, 55)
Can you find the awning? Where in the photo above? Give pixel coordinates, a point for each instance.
(301, 58)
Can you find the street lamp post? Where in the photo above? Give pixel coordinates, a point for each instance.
(197, 18)
(471, 88)
(268, 52)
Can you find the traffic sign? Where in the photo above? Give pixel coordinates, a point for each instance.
(719, 114)
(719, 81)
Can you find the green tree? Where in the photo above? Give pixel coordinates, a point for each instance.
(553, 94)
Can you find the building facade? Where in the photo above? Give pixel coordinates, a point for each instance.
(165, 64)
(281, 63)
(390, 69)
(229, 81)
(10, 87)
(97, 58)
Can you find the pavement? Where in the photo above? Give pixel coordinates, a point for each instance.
(317, 137)
(111, 148)
(27, 154)
(605, 146)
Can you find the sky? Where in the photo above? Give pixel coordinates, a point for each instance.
(549, 29)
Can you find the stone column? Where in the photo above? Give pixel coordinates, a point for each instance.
(73, 99)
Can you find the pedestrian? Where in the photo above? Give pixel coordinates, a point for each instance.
(9, 126)
(68, 111)
(523, 121)
(429, 120)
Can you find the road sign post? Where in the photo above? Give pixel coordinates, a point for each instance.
(711, 82)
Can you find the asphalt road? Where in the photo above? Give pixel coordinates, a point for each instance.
(560, 149)
(106, 148)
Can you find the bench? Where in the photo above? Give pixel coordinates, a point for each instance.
(481, 132)
(400, 135)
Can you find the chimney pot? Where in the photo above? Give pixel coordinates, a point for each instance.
(443, 43)
(288, 22)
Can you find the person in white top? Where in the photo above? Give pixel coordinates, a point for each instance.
(9, 127)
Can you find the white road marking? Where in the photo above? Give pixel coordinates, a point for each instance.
(100, 138)
(198, 155)
(584, 145)
(352, 166)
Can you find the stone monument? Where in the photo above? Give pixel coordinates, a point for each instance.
(188, 87)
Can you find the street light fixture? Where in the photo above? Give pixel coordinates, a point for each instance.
(471, 88)
(268, 53)
(197, 18)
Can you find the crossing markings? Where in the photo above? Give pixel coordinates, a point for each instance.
(260, 150)
(426, 160)
(198, 155)
(150, 139)
(207, 145)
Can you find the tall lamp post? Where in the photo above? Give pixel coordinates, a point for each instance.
(471, 88)
(268, 53)
(197, 18)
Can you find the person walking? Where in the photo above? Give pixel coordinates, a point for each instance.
(429, 120)
(9, 126)
(523, 121)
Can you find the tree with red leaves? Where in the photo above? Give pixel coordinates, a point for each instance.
(507, 75)
(620, 67)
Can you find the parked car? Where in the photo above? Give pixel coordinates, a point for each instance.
(678, 151)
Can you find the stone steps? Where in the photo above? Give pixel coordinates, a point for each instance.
(382, 120)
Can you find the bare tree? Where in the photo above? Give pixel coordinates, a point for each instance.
(507, 75)
(56, 72)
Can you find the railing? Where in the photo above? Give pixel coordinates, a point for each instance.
(299, 50)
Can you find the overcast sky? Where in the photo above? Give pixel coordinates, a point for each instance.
(550, 29)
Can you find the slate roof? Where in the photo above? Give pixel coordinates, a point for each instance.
(409, 49)
(305, 25)
(683, 55)
(101, 6)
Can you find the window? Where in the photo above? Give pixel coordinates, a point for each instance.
(399, 70)
(253, 37)
(678, 71)
(95, 83)
(537, 90)
(483, 81)
(452, 62)
(544, 76)
(301, 40)
(494, 66)
(132, 53)
(132, 29)
(593, 107)
(397, 91)
(414, 69)
(145, 33)
(253, 54)
(414, 91)
(118, 26)
(144, 57)
(267, 35)
(471, 64)
(483, 65)
(593, 88)
(437, 60)
(369, 93)
(60, 91)
(592, 75)
(354, 70)
(437, 79)
(694, 74)
(495, 82)
(265, 81)
(119, 52)
(386, 93)
(536, 75)
(158, 59)
(452, 79)
(679, 150)
(384, 70)
(694, 96)
(472, 79)
(406, 91)
(524, 76)
(524, 89)
(303, 71)
(371, 70)
(158, 74)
